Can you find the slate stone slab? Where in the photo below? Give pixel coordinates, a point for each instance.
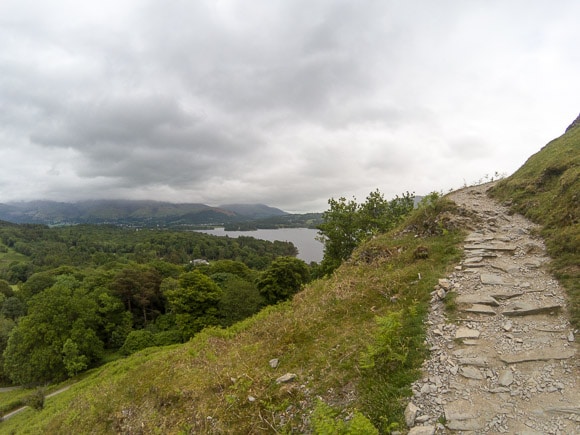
(422, 430)
(477, 299)
(476, 361)
(537, 355)
(480, 309)
(471, 372)
(524, 310)
(465, 425)
(464, 332)
(502, 296)
(493, 279)
(490, 247)
(506, 378)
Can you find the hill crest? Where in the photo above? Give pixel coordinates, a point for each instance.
(130, 212)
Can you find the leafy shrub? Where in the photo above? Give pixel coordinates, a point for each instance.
(326, 421)
(137, 340)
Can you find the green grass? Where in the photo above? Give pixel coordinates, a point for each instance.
(9, 256)
(546, 189)
(10, 400)
(336, 336)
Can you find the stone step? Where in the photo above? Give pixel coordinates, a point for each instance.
(480, 309)
(530, 310)
(538, 355)
(494, 279)
(471, 372)
(490, 247)
(502, 296)
(476, 299)
(464, 332)
(473, 361)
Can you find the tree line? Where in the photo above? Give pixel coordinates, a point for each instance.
(72, 297)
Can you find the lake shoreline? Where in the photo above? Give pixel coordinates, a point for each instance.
(309, 249)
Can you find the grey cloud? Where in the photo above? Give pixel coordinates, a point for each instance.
(285, 102)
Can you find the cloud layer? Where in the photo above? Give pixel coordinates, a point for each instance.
(286, 103)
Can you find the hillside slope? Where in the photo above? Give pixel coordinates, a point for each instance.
(131, 212)
(350, 345)
(546, 189)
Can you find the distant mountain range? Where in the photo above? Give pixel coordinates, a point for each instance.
(135, 213)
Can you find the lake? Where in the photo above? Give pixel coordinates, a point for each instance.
(309, 249)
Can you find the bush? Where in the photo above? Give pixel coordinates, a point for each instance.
(138, 340)
(36, 399)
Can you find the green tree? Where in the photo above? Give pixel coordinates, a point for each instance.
(283, 279)
(13, 308)
(194, 301)
(231, 267)
(137, 340)
(6, 327)
(139, 289)
(74, 361)
(340, 231)
(61, 314)
(240, 298)
(346, 224)
(6, 289)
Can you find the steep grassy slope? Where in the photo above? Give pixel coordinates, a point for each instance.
(546, 189)
(354, 342)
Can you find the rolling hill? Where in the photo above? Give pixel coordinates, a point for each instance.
(125, 212)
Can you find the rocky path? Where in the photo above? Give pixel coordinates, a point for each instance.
(509, 362)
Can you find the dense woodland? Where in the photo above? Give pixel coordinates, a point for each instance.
(74, 297)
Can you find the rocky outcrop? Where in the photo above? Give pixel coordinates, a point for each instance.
(575, 124)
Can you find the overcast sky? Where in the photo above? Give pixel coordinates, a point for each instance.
(284, 102)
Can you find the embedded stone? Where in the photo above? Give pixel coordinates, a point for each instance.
(422, 430)
(480, 253)
(498, 390)
(288, 377)
(491, 279)
(471, 373)
(478, 238)
(477, 299)
(465, 425)
(537, 355)
(475, 361)
(444, 284)
(502, 296)
(506, 378)
(490, 247)
(480, 309)
(473, 260)
(533, 263)
(529, 310)
(464, 332)
(411, 414)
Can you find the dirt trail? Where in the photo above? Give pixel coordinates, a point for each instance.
(509, 364)
(22, 408)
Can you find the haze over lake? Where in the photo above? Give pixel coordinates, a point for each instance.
(309, 249)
